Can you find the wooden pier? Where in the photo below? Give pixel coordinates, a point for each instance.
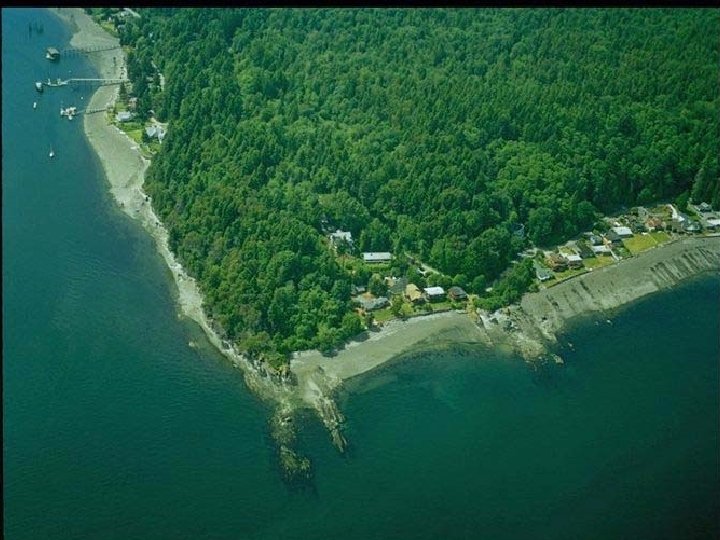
(59, 82)
(76, 51)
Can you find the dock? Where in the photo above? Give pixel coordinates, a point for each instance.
(59, 82)
(54, 54)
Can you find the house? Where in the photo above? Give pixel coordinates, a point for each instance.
(713, 223)
(654, 223)
(355, 290)
(155, 131)
(693, 227)
(434, 294)
(595, 240)
(456, 294)
(124, 116)
(584, 251)
(541, 272)
(377, 257)
(52, 54)
(413, 294)
(612, 238)
(371, 304)
(340, 236)
(601, 251)
(623, 232)
(638, 227)
(132, 103)
(704, 207)
(574, 261)
(398, 287)
(678, 225)
(556, 262)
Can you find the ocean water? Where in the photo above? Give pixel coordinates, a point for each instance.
(113, 427)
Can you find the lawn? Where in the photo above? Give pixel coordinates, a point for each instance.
(598, 262)
(567, 274)
(640, 242)
(382, 315)
(660, 236)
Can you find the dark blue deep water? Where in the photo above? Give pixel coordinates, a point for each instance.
(113, 427)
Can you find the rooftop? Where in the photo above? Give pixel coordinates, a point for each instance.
(377, 256)
(434, 291)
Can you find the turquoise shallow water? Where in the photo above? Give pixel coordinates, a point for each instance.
(114, 428)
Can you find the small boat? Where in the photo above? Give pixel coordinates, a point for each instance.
(39, 86)
(52, 152)
(34, 104)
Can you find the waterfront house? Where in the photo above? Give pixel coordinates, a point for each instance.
(52, 54)
(601, 251)
(155, 132)
(456, 294)
(541, 272)
(693, 227)
(556, 262)
(595, 240)
(124, 116)
(574, 260)
(398, 287)
(434, 294)
(653, 223)
(377, 257)
(584, 251)
(712, 223)
(704, 207)
(413, 293)
(623, 232)
(371, 304)
(612, 239)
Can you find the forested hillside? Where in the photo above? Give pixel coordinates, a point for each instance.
(432, 132)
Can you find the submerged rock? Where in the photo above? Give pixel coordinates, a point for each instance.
(295, 468)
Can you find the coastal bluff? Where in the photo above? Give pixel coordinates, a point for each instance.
(530, 327)
(542, 314)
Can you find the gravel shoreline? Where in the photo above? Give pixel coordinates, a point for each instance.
(534, 322)
(124, 168)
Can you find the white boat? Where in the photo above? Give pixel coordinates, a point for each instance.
(52, 153)
(34, 104)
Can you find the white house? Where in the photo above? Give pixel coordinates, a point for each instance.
(623, 232)
(377, 257)
(339, 236)
(434, 293)
(155, 131)
(124, 116)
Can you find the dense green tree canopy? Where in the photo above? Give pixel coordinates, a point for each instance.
(431, 131)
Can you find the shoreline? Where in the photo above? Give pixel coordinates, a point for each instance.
(124, 169)
(528, 328)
